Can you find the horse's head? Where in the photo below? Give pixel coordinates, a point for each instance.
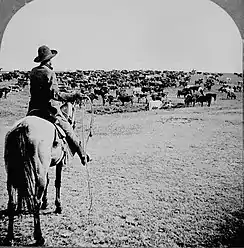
(69, 109)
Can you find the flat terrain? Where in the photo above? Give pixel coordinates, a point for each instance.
(165, 178)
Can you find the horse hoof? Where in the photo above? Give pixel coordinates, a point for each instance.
(58, 210)
(40, 242)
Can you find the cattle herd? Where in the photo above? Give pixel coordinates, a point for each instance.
(141, 86)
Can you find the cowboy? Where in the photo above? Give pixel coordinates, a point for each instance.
(46, 98)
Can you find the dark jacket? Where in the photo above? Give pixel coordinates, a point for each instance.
(44, 91)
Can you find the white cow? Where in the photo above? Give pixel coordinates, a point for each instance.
(154, 104)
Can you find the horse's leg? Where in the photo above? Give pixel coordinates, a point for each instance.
(37, 224)
(58, 186)
(44, 199)
(40, 187)
(11, 209)
(20, 203)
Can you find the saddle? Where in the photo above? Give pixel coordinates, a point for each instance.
(59, 136)
(48, 117)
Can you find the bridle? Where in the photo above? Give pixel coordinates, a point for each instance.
(69, 109)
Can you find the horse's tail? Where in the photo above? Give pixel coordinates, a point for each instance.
(18, 156)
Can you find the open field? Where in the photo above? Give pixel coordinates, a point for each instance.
(165, 178)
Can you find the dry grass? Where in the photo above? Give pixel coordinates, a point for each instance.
(166, 178)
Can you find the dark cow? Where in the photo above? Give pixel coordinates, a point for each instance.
(194, 88)
(93, 97)
(183, 92)
(158, 96)
(103, 91)
(109, 99)
(141, 95)
(191, 98)
(223, 89)
(231, 95)
(4, 91)
(22, 82)
(237, 88)
(213, 95)
(204, 98)
(125, 98)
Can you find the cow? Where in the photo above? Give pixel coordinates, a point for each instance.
(4, 91)
(231, 95)
(212, 95)
(191, 98)
(158, 96)
(125, 98)
(154, 105)
(183, 92)
(15, 88)
(142, 95)
(103, 91)
(204, 98)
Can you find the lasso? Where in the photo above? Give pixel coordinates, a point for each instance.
(84, 143)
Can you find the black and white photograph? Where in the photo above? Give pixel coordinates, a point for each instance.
(121, 123)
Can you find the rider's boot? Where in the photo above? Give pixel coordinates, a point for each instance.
(73, 140)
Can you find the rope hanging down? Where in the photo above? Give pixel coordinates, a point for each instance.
(84, 143)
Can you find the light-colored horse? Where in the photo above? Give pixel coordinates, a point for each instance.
(31, 147)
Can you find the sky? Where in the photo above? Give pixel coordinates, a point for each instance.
(124, 34)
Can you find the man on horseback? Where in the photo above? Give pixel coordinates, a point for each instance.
(46, 98)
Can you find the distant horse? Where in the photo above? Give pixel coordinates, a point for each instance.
(32, 146)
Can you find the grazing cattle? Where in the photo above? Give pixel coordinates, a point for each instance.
(15, 88)
(154, 105)
(110, 99)
(223, 89)
(125, 98)
(182, 83)
(141, 95)
(158, 96)
(93, 97)
(193, 87)
(103, 91)
(191, 99)
(22, 82)
(237, 88)
(205, 98)
(212, 95)
(183, 92)
(4, 91)
(231, 95)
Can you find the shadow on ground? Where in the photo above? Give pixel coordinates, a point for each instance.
(231, 233)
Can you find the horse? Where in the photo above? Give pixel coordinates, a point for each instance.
(33, 145)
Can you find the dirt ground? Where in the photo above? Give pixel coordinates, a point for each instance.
(164, 178)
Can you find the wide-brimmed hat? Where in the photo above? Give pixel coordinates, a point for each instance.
(44, 53)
